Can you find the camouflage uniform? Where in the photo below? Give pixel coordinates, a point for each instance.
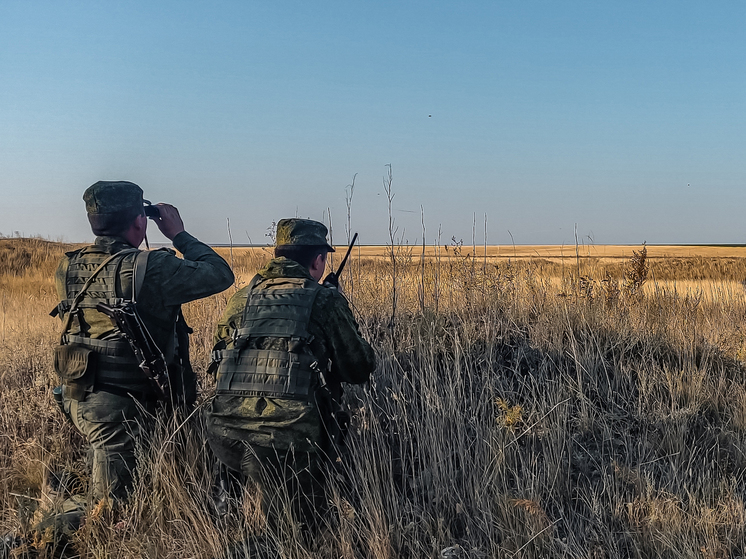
(275, 438)
(106, 408)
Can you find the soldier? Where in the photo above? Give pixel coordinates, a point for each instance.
(103, 388)
(284, 345)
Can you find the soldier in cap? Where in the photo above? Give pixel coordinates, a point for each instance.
(103, 387)
(284, 345)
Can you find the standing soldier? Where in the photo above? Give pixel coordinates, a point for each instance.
(283, 347)
(103, 386)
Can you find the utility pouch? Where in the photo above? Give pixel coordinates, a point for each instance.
(76, 366)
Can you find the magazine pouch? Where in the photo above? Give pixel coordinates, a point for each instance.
(76, 366)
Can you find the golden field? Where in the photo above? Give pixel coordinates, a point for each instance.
(558, 251)
(539, 402)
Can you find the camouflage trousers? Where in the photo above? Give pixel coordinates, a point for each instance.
(291, 483)
(112, 424)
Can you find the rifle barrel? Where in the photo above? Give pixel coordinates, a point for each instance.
(347, 255)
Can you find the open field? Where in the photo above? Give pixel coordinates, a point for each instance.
(568, 251)
(525, 405)
(548, 251)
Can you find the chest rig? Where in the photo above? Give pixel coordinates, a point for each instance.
(92, 276)
(271, 356)
(91, 352)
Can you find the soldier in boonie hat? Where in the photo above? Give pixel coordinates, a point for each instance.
(301, 232)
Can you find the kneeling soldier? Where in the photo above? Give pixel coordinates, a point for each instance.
(283, 347)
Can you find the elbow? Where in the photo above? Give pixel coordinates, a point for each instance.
(366, 369)
(230, 278)
(371, 369)
(227, 280)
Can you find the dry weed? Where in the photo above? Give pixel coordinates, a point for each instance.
(503, 420)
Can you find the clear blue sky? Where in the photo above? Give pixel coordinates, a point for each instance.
(627, 118)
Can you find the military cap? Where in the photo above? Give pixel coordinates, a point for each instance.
(113, 197)
(301, 232)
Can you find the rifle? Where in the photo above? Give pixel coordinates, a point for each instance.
(332, 279)
(152, 363)
(334, 418)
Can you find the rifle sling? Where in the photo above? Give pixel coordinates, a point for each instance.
(138, 273)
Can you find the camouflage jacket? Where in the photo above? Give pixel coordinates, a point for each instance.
(282, 423)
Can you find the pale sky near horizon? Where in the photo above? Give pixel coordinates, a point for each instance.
(627, 118)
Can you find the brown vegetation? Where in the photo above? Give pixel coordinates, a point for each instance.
(521, 408)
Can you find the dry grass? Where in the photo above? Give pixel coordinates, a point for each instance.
(609, 252)
(521, 408)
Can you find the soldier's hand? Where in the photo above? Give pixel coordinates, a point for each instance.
(331, 281)
(169, 221)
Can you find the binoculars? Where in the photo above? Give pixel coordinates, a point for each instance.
(151, 211)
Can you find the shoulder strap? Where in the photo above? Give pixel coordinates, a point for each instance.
(138, 273)
(254, 281)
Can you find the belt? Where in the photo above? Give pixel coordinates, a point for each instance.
(140, 396)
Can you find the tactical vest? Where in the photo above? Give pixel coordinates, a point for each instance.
(277, 310)
(88, 283)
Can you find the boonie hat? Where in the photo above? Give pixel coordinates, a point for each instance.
(301, 232)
